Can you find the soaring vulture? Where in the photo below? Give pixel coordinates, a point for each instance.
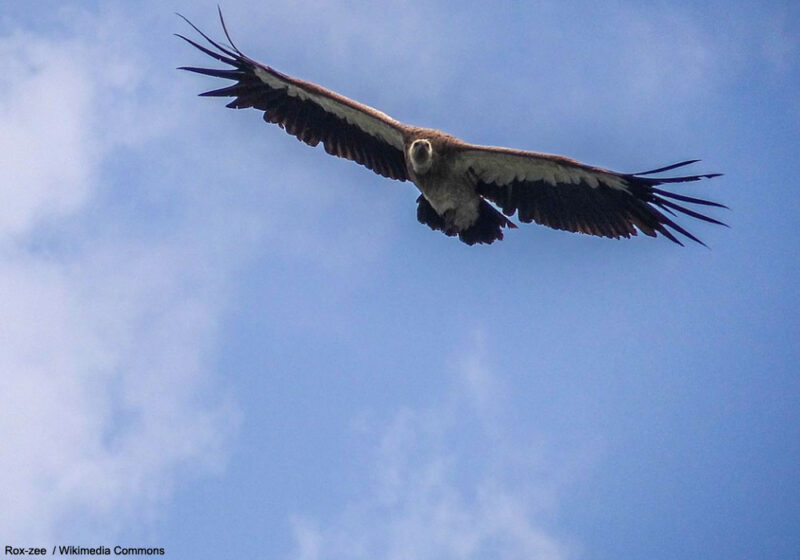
(462, 185)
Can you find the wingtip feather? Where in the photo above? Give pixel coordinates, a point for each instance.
(668, 167)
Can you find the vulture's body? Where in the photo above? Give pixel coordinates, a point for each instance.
(462, 185)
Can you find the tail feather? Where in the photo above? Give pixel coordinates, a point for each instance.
(488, 228)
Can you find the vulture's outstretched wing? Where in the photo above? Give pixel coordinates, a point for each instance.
(564, 194)
(312, 113)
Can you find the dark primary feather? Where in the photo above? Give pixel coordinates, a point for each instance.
(304, 119)
(602, 210)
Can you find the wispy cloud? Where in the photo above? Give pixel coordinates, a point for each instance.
(48, 152)
(444, 484)
(106, 390)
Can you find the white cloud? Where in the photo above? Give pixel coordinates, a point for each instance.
(435, 495)
(103, 386)
(106, 393)
(65, 105)
(47, 152)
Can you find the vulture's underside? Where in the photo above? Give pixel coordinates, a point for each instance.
(462, 185)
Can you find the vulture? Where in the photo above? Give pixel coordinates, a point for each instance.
(466, 190)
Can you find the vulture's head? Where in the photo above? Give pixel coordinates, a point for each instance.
(421, 155)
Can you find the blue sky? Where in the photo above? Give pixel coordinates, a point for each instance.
(225, 343)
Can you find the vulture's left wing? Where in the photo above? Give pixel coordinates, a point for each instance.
(312, 113)
(564, 194)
